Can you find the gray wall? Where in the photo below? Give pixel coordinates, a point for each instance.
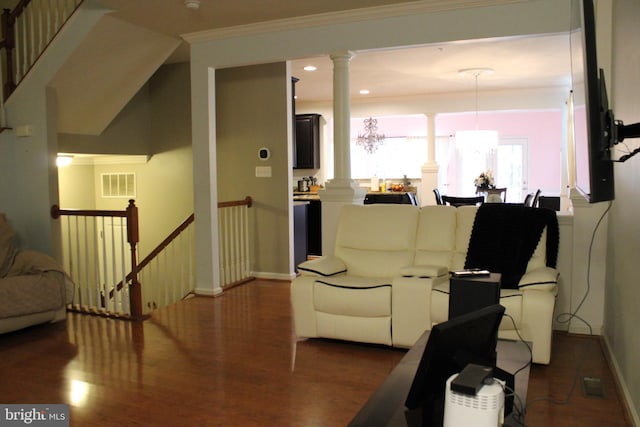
(157, 122)
(128, 133)
(252, 112)
(622, 291)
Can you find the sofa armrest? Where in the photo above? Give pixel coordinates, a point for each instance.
(544, 278)
(424, 271)
(323, 266)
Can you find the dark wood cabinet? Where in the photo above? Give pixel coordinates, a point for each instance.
(307, 142)
(314, 224)
(300, 230)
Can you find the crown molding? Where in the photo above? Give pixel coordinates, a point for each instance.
(107, 159)
(342, 17)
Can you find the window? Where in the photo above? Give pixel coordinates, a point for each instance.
(119, 185)
(396, 157)
(509, 165)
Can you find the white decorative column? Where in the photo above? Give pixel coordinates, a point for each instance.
(341, 190)
(430, 168)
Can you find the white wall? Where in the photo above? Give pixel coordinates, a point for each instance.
(622, 291)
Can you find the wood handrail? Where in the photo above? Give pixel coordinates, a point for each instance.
(8, 42)
(248, 201)
(170, 238)
(17, 11)
(131, 213)
(56, 212)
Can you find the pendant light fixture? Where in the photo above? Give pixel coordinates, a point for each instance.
(370, 139)
(476, 140)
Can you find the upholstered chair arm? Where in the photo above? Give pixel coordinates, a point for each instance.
(543, 278)
(322, 267)
(424, 271)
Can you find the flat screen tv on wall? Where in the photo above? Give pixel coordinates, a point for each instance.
(594, 168)
(595, 129)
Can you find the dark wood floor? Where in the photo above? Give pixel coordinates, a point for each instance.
(234, 361)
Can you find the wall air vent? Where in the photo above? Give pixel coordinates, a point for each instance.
(119, 185)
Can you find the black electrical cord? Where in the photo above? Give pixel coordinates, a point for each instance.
(566, 317)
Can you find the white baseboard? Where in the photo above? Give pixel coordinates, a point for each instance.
(628, 400)
(272, 276)
(207, 292)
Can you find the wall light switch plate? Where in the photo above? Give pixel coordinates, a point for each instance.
(24, 130)
(263, 171)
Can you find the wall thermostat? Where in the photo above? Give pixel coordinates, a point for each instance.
(264, 153)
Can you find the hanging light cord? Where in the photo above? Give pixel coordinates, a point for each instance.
(476, 74)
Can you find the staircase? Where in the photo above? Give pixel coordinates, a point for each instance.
(94, 63)
(90, 69)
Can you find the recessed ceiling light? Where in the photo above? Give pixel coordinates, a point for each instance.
(192, 4)
(364, 92)
(310, 68)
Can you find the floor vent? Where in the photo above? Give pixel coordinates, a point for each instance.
(592, 387)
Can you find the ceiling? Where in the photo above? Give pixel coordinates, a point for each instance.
(524, 62)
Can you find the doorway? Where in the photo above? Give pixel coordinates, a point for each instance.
(508, 163)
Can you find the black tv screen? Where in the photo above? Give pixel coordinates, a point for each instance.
(592, 119)
(468, 338)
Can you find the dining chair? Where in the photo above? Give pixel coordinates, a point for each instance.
(462, 201)
(534, 201)
(528, 199)
(499, 192)
(436, 192)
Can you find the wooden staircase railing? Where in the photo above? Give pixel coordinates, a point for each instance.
(167, 271)
(27, 30)
(83, 256)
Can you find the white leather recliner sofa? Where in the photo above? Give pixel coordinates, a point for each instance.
(388, 279)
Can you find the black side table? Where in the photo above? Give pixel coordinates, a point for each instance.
(470, 293)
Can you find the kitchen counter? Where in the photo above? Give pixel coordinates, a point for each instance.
(299, 196)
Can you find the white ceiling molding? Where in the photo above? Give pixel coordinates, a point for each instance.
(341, 17)
(106, 159)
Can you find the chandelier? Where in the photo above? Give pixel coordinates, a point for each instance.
(370, 139)
(476, 140)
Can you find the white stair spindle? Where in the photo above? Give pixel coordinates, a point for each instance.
(40, 28)
(25, 53)
(65, 11)
(49, 8)
(32, 39)
(56, 18)
(16, 36)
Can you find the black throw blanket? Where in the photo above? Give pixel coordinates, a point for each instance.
(504, 237)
